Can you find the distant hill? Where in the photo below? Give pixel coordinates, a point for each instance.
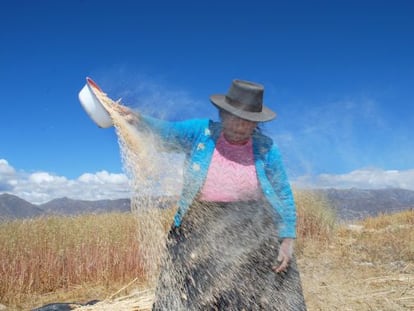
(13, 207)
(350, 204)
(66, 206)
(354, 203)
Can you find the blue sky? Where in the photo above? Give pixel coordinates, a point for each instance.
(339, 74)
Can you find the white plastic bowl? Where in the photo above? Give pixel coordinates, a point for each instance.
(93, 106)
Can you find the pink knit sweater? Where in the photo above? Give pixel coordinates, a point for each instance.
(232, 174)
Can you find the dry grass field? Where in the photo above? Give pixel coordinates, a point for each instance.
(368, 265)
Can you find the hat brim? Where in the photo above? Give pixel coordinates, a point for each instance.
(265, 115)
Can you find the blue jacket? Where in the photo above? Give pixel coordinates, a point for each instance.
(197, 138)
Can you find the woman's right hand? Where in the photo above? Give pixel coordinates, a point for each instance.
(130, 116)
(285, 255)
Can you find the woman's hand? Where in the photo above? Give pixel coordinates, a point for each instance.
(130, 116)
(285, 255)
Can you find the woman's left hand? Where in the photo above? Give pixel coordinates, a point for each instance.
(285, 255)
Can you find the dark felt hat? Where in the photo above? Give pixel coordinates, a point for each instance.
(244, 99)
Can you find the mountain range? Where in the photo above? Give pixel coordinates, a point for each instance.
(13, 207)
(354, 203)
(350, 204)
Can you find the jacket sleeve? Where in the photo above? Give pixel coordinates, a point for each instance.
(285, 204)
(177, 135)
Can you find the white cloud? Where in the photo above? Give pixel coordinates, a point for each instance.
(41, 187)
(372, 178)
(103, 177)
(5, 168)
(43, 177)
(7, 174)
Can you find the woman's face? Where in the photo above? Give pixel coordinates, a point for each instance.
(236, 130)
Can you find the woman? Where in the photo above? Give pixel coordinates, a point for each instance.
(231, 244)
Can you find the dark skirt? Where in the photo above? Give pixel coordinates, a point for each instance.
(221, 258)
